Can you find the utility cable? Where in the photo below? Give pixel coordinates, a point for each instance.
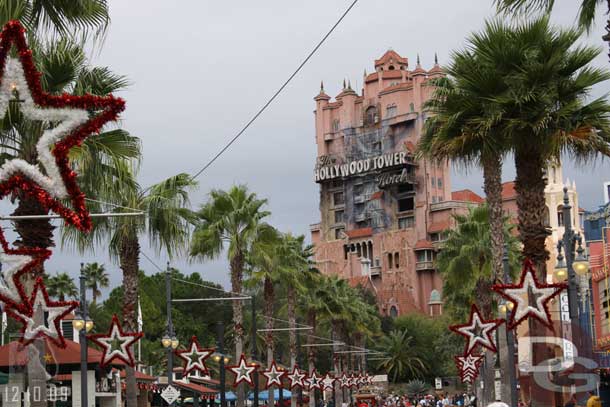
(276, 94)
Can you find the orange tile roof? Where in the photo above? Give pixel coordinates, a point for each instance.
(508, 190)
(372, 77)
(356, 233)
(13, 354)
(466, 195)
(390, 54)
(436, 227)
(398, 86)
(423, 244)
(195, 387)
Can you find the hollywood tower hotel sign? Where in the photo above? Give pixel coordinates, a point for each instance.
(383, 213)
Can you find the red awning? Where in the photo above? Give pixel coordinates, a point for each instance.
(424, 245)
(356, 233)
(204, 392)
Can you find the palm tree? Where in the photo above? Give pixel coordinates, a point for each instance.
(402, 360)
(64, 68)
(586, 14)
(96, 278)
(541, 109)
(61, 286)
(231, 220)
(462, 129)
(465, 263)
(57, 17)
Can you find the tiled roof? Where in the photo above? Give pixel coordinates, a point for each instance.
(195, 387)
(424, 244)
(355, 233)
(508, 190)
(466, 195)
(372, 77)
(13, 354)
(390, 54)
(438, 226)
(392, 75)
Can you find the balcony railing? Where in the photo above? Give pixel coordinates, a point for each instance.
(425, 265)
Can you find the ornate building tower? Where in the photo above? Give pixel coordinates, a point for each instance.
(383, 213)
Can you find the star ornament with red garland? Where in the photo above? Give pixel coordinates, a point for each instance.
(74, 117)
(314, 381)
(530, 297)
(328, 383)
(344, 381)
(468, 366)
(54, 312)
(478, 331)
(274, 375)
(243, 371)
(194, 357)
(116, 344)
(297, 378)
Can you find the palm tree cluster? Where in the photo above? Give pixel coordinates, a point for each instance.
(234, 222)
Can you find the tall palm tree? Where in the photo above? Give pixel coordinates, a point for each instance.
(96, 277)
(402, 360)
(542, 109)
(231, 220)
(586, 14)
(462, 129)
(61, 286)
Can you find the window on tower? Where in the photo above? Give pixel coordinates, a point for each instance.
(406, 204)
(338, 199)
(339, 216)
(371, 116)
(406, 223)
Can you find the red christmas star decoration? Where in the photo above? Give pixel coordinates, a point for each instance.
(116, 336)
(314, 381)
(530, 297)
(468, 366)
(297, 378)
(107, 108)
(243, 371)
(274, 375)
(55, 311)
(194, 357)
(471, 330)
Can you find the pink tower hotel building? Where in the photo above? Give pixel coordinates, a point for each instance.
(383, 213)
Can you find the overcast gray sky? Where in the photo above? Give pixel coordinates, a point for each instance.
(201, 68)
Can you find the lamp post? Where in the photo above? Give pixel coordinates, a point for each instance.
(220, 358)
(169, 341)
(571, 264)
(82, 324)
(253, 333)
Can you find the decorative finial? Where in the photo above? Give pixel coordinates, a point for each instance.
(321, 86)
(365, 72)
(349, 85)
(435, 58)
(343, 83)
(418, 59)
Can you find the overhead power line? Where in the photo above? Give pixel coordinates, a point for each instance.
(277, 92)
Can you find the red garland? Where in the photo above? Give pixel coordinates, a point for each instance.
(551, 290)
(199, 365)
(25, 309)
(467, 331)
(13, 34)
(297, 378)
(98, 339)
(246, 377)
(274, 374)
(107, 108)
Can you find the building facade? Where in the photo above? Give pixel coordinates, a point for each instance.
(383, 213)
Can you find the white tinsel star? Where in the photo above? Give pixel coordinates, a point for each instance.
(478, 331)
(11, 264)
(328, 382)
(529, 297)
(65, 119)
(314, 381)
(243, 371)
(116, 344)
(274, 375)
(195, 357)
(296, 378)
(344, 381)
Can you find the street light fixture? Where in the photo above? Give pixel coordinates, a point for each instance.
(166, 341)
(175, 343)
(581, 264)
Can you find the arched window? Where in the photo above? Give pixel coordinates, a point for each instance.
(560, 215)
(336, 125)
(547, 217)
(390, 260)
(391, 67)
(371, 116)
(393, 311)
(397, 260)
(359, 249)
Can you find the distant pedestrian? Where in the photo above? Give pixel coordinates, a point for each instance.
(593, 400)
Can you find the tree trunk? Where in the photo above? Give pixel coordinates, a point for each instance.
(531, 203)
(34, 233)
(237, 272)
(292, 335)
(268, 293)
(492, 180)
(129, 258)
(311, 354)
